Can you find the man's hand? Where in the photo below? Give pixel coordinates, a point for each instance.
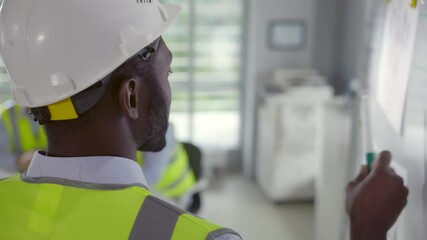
(375, 200)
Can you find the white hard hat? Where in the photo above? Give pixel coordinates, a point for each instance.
(54, 49)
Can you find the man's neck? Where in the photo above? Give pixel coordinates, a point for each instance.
(90, 142)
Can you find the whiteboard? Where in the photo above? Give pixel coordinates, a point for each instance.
(395, 59)
(409, 145)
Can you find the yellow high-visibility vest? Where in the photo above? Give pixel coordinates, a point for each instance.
(22, 134)
(177, 178)
(50, 208)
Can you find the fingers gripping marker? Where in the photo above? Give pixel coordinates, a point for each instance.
(370, 157)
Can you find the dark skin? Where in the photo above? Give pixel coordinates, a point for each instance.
(375, 200)
(116, 126)
(127, 118)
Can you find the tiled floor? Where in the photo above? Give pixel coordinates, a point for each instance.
(236, 202)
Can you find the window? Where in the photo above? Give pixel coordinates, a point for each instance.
(206, 44)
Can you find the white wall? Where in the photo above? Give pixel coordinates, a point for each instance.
(267, 10)
(350, 38)
(326, 42)
(261, 61)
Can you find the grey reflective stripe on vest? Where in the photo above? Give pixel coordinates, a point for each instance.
(215, 234)
(78, 184)
(156, 220)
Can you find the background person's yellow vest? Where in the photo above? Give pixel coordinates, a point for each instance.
(177, 178)
(48, 208)
(23, 135)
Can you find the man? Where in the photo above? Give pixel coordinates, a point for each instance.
(95, 74)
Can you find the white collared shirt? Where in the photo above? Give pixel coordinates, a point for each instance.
(97, 170)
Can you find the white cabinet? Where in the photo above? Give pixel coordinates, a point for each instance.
(287, 142)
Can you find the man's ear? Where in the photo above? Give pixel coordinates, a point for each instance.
(128, 98)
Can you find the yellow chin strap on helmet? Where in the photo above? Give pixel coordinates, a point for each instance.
(74, 106)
